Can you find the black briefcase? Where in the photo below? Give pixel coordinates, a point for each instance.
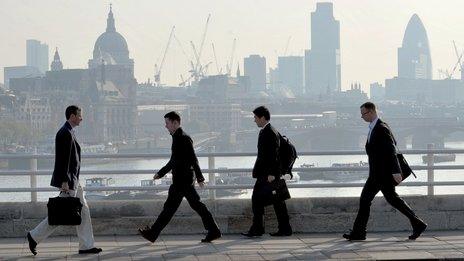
(280, 190)
(267, 193)
(406, 170)
(64, 211)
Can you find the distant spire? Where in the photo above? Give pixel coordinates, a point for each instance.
(238, 71)
(56, 65)
(110, 21)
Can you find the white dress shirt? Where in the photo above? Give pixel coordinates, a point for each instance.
(371, 126)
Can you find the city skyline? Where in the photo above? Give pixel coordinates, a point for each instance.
(363, 33)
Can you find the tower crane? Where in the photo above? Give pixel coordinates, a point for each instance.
(219, 71)
(286, 45)
(459, 62)
(197, 71)
(231, 60)
(158, 69)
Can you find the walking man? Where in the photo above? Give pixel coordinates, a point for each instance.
(384, 171)
(183, 164)
(66, 178)
(266, 170)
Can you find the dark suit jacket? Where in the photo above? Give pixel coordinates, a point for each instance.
(183, 162)
(267, 162)
(67, 158)
(381, 151)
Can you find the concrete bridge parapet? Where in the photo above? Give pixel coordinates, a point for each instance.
(307, 215)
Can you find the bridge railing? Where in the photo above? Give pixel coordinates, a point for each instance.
(33, 172)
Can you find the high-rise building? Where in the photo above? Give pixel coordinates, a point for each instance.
(324, 68)
(306, 69)
(377, 92)
(13, 72)
(414, 60)
(255, 68)
(291, 73)
(37, 55)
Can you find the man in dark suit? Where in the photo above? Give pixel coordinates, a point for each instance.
(266, 170)
(183, 164)
(66, 178)
(384, 172)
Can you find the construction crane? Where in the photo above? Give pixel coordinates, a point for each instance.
(203, 40)
(231, 60)
(198, 70)
(183, 50)
(286, 45)
(158, 69)
(459, 62)
(219, 71)
(450, 75)
(444, 74)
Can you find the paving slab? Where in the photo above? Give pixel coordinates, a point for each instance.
(323, 246)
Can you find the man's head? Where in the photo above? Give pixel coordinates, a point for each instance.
(73, 115)
(262, 116)
(368, 112)
(172, 120)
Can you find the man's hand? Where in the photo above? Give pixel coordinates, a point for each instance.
(398, 178)
(201, 184)
(270, 178)
(156, 176)
(64, 187)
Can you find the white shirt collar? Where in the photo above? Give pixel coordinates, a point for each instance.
(266, 124)
(373, 123)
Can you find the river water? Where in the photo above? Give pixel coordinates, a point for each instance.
(247, 162)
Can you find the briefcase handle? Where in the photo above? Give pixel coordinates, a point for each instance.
(67, 193)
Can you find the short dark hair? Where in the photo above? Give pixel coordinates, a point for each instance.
(368, 105)
(172, 116)
(72, 109)
(262, 111)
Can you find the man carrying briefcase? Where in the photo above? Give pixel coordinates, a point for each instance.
(66, 178)
(267, 173)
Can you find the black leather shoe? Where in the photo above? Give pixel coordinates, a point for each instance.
(281, 234)
(32, 244)
(94, 250)
(147, 234)
(211, 236)
(353, 236)
(252, 234)
(417, 230)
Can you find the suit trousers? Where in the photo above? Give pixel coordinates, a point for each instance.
(84, 230)
(175, 195)
(258, 201)
(371, 188)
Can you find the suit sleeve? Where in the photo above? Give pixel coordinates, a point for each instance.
(168, 167)
(63, 144)
(389, 150)
(193, 159)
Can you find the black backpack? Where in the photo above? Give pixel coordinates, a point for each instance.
(287, 155)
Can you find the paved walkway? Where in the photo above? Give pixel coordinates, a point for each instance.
(433, 245)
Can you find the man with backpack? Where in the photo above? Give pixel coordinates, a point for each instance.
(267, 169)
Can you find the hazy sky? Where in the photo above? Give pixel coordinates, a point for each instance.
(371, 32)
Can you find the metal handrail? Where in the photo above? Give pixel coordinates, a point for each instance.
(33, 172)
(227, 154)
(234, 170)
(214, 187)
